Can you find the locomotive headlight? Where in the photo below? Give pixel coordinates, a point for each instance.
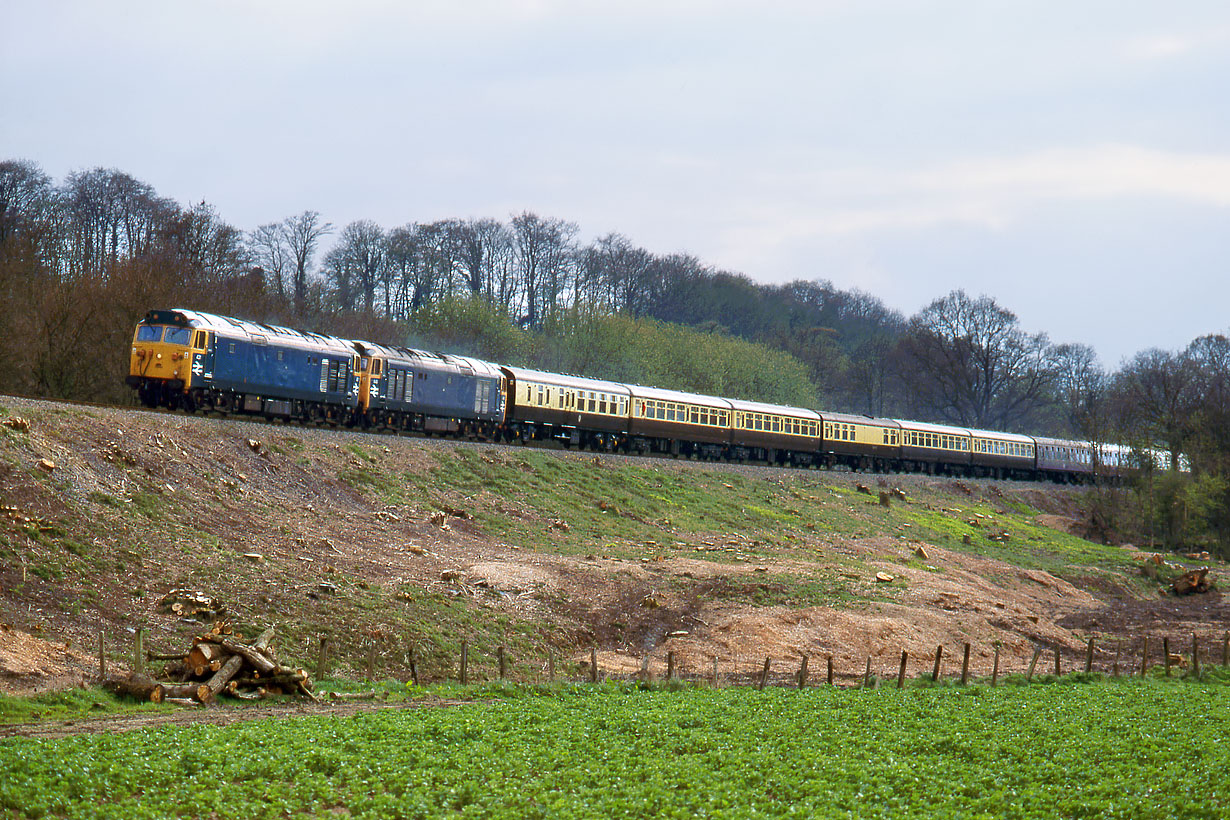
(160, 355)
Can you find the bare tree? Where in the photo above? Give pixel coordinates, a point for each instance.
(360, 250)
(402, 261)
(1155, 392)
(969, 362)
(210, 247)
(544, 256)
(26, 195)
(268, 248)
(480, 245)
(110, 216)
(615, 272)
(1209, 357)
(302, 234)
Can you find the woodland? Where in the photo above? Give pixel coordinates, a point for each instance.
(83, 259)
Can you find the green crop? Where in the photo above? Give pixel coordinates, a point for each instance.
(1139, 749)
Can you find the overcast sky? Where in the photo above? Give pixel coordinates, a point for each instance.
(1069, 158)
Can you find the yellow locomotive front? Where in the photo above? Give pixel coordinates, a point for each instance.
(160, 366)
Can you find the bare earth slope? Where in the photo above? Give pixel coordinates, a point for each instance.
(386, 544)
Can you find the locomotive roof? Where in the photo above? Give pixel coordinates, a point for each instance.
(426, 358)
(575, 382)
(774, 409)
(251, 331)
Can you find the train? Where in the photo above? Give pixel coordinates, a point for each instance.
(191, 361)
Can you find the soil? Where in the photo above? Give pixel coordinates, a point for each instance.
(104, 512)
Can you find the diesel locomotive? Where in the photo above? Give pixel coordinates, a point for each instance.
(192, 361)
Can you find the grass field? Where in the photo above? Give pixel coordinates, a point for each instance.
(1119, 748)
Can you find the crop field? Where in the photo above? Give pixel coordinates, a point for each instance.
(1116, 748)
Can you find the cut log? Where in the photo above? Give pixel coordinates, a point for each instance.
(169, 656)
(203, 657)
(252, 654)
(291, 681)
(234, 664)
(136, 686)
(223, 676)
(194, 689)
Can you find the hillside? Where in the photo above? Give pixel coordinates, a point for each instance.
(109, 516)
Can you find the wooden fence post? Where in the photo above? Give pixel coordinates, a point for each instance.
(139, 652)
(717, 682)
(1144, 655)
(465, 662)
(803, 673)
(414, 669)
(1033, 662)
(830, 675)
(322, 657)
(1118, 647)
(1089, 657)
(1166, 653)
(1058, 668)
(593, 664)
(901, 671)
(1196, 657)
(935, 670)
(764, 674)
(995, 668)
(102, 655)
(867, 674)
(499, 653)
(670, 666)
(965, 666)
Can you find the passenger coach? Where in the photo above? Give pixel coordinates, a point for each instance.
(573, 410)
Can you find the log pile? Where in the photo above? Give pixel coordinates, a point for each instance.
(219, 663)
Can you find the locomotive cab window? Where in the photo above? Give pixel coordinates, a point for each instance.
(177, 336)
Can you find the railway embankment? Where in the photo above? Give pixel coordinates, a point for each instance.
(111, 520)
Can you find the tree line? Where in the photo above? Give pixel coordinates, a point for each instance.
(81, 260)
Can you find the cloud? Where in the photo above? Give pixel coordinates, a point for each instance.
(1170, 46)
(992, 192)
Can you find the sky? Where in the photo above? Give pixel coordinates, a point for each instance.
(1070, 158)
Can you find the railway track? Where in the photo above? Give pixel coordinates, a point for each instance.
(254, 424)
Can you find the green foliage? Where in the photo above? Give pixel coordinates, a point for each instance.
(645, 351)
(1189, 512)
(624, 750)
(470, 326)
